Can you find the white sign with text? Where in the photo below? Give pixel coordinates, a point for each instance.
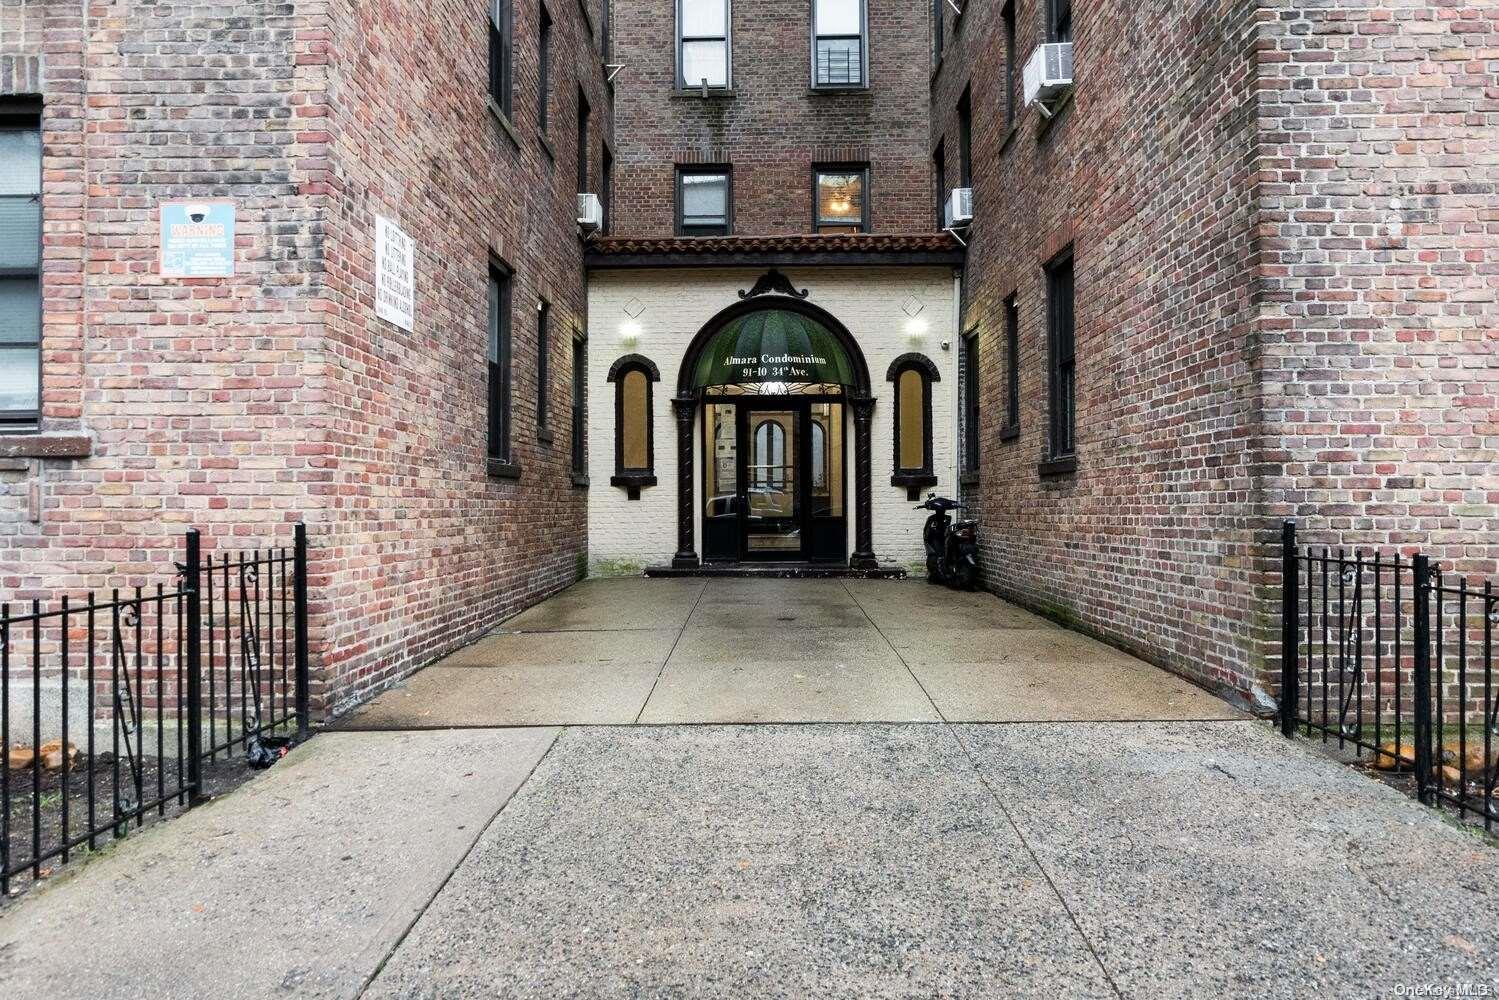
(395, 274)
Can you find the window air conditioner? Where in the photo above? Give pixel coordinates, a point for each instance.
(1048, 74)
(590, 212)
(960, 207)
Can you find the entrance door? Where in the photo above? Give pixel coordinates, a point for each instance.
(773, 504)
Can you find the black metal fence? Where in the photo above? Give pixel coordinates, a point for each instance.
(1394, 661)
(121, 699)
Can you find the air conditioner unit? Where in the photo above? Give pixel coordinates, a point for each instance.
(590, 212)
(960, 207)
(1048, 74)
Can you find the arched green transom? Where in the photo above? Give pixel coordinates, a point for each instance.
(773, 347)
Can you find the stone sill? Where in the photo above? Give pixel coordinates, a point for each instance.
(502, 470)
(46, 444)
(505, 123)
(1058, 467)
(686, 93)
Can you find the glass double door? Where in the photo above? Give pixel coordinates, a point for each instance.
(774, 487)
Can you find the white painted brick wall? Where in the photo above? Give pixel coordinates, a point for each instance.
(624, 534)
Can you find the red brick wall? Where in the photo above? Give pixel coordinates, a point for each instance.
(1255, 339)
(240, 405)
(423, 549)
(773, 129)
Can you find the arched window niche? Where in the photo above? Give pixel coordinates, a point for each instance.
(634, 376)
(912, 376)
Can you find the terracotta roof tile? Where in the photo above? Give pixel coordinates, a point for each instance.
(788, 243)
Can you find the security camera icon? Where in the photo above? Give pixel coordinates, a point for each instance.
(198, 212)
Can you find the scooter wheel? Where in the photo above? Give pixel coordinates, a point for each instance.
(933, 570)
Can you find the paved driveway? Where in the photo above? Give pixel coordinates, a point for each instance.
(918, 853)
(736, 650)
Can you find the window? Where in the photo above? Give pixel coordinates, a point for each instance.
(583, 112)
(20, 265)
(970, 361)
(544, 70)
(1061, 20)
(703, 200)
(913, 375)
(770, 449)
(939, 175)
(838, 43)
(1012, 366)
(702, 43)
(1063, 405)
(580, 406)
(606, 187)
(965, 139)
(499, 365)
(842, 205)
(939, 14)
(1008, 17)
(634, 437)
(502, 54)
(543, 362)
(605, 12)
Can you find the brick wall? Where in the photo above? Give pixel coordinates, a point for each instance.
(1282, 222)
(773, 129)
(239, 405)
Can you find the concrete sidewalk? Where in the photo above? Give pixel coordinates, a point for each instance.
(771, 650)
(1030, 860)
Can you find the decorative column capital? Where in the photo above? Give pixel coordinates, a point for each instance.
(863, 408)
(685, 407)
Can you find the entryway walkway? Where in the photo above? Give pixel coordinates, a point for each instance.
(782, 650)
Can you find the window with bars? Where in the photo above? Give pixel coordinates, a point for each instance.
(838, 49)
(703, 201)
(702, 43)
(499, 364)
(502, 55)
(841, 199)
(20, 266)
(1062, 363)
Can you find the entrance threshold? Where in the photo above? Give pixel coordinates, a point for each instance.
(782, 570)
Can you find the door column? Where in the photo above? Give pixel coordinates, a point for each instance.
(685, 408)
(863, 556)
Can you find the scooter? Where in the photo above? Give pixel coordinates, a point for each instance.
(952, 548)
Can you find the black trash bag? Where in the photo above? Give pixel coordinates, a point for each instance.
(263, 751)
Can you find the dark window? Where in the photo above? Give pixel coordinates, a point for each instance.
(605, 13)
(1012, 364)
(1008, 16)
(20, 265)
(703, 201)
(965, 139)
(939, 178)
(502, 54)
(543, 361)
(583, 112)
(1061, 20)
(841, 199)
(971, 402)
(580, 405)
(634, 436)
(838, 43)
(939, 16)
(499, 364)
(606, 187)
(1063, 402)
(544, 71)
(702, 43)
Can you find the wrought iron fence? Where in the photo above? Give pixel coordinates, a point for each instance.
(119, 700)
(1394, 661)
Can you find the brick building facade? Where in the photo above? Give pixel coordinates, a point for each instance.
(1282, 229)
(1280, 222)
(241, 404)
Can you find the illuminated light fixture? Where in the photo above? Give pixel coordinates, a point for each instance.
(916, 327)
(629, 331)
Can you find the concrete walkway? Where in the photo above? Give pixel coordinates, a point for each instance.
(733, 650)
(1026, 859)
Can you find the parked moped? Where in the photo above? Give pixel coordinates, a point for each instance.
(952, 548)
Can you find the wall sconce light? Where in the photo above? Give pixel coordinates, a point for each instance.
(629, 331)
(916, 327)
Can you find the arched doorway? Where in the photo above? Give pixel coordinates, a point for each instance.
(772, 387)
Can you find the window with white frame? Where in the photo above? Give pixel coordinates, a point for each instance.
(703, 43)
(703, 202)
(838, 49)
